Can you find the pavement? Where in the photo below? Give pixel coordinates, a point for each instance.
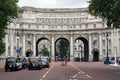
(115, 65)
(2, 63)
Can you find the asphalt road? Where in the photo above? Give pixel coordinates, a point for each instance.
(73, 71)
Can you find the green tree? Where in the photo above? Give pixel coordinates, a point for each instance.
(108, 10)
(8, 12)
(63, 47)
(45, 51)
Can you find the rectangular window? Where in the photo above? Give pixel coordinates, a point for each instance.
(109, 51)
(103, 42)
(109, 42)
(86, 26)
(104, 52)
(94, 25)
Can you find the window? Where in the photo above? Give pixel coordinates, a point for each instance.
(103, 42)
(94, 25)
(109, 51)
(95, 43)
(86, 26)
(80, 26)
(103, 51)
(109, 43)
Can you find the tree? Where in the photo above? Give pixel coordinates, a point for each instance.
(45, 51)
(108, 10)
(8, 12)
(63, 48)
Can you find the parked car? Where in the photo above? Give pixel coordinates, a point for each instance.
(34, 63)
(13, 63)
(45, 62)
(111, 60)
(24, 62)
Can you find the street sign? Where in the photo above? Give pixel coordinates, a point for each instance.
(18, 50)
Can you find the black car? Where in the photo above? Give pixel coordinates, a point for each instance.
(34, 63)
(13, 63)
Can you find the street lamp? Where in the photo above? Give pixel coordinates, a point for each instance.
(30, 47)
(18, 50)
(107, 57)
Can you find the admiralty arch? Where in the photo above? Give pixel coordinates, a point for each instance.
(36, 27)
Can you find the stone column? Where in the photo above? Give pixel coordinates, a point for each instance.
(6, 52)
(53, 49)
(90, 47)
(100, 44)
(34, 45)
(12, 46)
(71, 48)
(24, 45)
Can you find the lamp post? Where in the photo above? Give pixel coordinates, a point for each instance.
(107, 57)
(18, 51)
(30, 48)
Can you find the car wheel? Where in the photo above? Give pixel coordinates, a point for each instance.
(6, 70)
(29, 68)
(47, 66)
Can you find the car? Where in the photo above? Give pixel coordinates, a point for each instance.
(13, 63)
(45, 62)
(111, 60)
(24, 62)
(34, 63)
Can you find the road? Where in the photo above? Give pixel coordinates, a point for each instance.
(73, 71)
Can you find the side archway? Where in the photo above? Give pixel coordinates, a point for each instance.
(85, 52)
(95, 54)
(28, 53)
(42, 42)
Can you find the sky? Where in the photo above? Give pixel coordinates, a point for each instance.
(54, 3)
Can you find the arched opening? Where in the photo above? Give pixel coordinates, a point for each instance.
(43, 43)
(62, 49)
(81, 49)
(29, 53)
(95, 55)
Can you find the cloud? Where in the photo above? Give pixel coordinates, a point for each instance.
(53, 3)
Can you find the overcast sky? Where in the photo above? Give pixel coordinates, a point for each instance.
(54, 3)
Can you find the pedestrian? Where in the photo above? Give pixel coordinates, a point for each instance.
(65, 59)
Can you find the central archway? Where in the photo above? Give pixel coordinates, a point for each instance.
(85, 54)
(62, 49)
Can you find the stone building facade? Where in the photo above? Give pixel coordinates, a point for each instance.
(85, 34)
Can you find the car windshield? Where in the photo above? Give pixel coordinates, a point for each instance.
(10, 60)
(44, 59)
(33, 59)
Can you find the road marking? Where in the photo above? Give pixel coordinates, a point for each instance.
(75, 67)
(117, 72)
(80, 73)
(88, 76)
(47, 72)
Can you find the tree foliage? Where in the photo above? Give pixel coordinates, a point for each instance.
(45, 51)
(63, 47)
(108, 10)
(8, 11)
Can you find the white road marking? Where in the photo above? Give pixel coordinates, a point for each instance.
(88, 76)
(75, 67)
(47, 72)
(117, 72)
(80, 72)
